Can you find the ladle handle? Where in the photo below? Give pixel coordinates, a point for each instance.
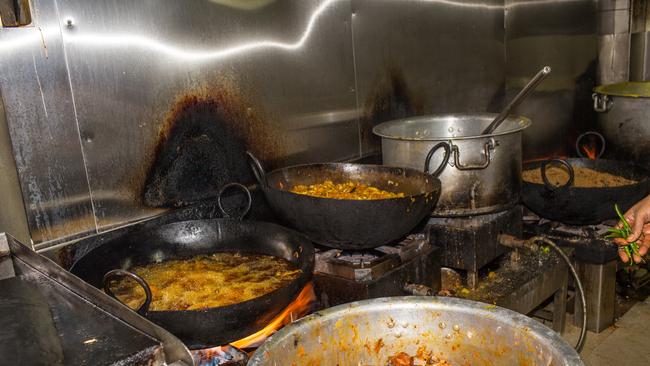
(119, 273)
(532, 84)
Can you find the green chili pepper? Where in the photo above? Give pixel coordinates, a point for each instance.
(630, 249)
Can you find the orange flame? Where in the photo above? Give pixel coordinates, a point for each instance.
(590, 151)
(300, 307)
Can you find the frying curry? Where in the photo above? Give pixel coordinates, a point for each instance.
(206, 281)
(583, 177)
(348, 190)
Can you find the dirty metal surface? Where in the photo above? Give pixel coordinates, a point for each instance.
(338, 284)
(42, 124)
(167, 107)
(522, 281)
(471, 243)
(459, 66)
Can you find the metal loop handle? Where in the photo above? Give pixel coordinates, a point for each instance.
(547, 183)
(445, 158)
(249, 201)
(594, 133)
(487, 148)
(602, 103)
(258, 169)
(119, 273)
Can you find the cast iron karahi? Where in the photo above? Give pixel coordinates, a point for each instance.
(347, 223)
(212, 326)
(582, 206)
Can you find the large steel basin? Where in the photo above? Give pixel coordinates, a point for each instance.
(461, 331)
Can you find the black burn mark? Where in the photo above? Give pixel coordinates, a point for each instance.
(391, 98)
(202, 146)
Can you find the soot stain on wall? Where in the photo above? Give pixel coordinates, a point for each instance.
(202, 145)
(390, 98)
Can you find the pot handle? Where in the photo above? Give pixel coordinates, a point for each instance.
(602, 103)
(547, 183)
(487, 152)
(258, 169)
(445, 158)
(118, 273)
(594, 133)
(249, 201)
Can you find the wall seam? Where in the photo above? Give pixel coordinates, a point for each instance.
(356, 84)
(76, 118)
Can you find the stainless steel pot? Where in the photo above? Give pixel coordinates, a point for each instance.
(484, 172)
(461, 331)
(624, 120)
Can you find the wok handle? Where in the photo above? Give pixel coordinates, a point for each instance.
(594, 133)
(258, 169)
(119, 273)
(547, 183)
(445, 158)
(249, 200)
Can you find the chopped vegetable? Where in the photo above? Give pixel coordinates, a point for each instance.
(630, 249)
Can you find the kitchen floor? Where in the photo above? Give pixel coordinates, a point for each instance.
(624, 343)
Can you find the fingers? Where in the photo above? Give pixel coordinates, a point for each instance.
(644, 244)
(637, 230)
(623, 256)
(620, 241)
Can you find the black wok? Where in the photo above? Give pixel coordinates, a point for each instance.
(346, 223)
(581, 206)
(212, 326)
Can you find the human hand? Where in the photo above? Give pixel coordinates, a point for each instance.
(639, 219)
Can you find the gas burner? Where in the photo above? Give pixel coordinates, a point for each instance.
(370, 264)
(358, 259)
(220, 356)
(343, 276)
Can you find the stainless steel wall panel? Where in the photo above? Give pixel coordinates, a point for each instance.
(13, 218)
(288, 63)
(418, 57)
(95, 91)
(44, 134)
(561, 34)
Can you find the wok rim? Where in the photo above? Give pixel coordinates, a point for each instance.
(435, 181)
(302, 279)
(638, 170)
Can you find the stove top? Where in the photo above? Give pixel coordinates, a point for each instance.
(369, 264)
(587, 240)
(220, 356)
(343, 276)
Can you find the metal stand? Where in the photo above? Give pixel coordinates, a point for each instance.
(599, 281)
(470, 243)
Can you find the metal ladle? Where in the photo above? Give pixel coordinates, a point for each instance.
(532, 84)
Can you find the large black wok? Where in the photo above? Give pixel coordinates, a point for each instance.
(346, 223)
(212, 326)
(581, 206)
